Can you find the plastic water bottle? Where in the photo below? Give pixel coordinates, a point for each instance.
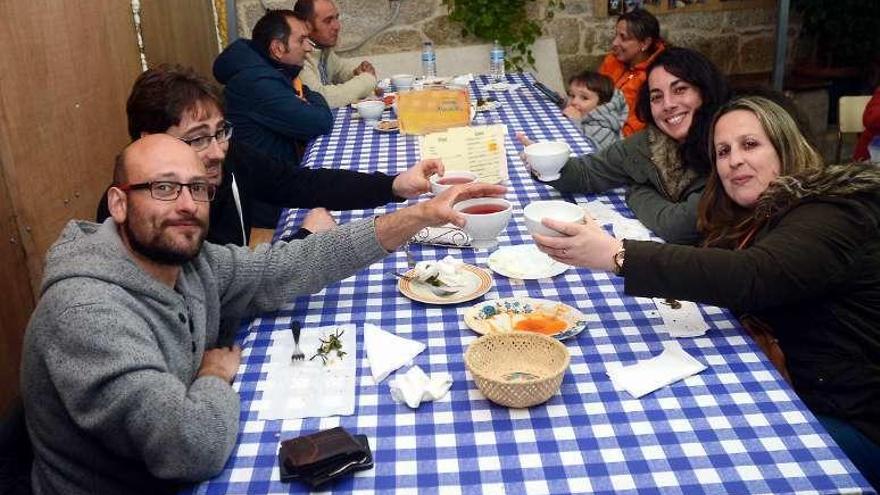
(874, 150)
(496, 62)
(429, 60)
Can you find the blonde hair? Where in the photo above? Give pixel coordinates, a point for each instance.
(722, 221)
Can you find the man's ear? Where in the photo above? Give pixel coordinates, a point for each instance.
(117, 204)
(277, 49)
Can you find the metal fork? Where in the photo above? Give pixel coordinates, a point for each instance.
(297, 355)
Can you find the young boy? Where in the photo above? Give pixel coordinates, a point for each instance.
(597, 107)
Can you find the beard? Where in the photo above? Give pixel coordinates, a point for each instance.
(159, 247)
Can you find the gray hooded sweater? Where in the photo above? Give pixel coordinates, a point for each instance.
(111, 354)
(604, 125)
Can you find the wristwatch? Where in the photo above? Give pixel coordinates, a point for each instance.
(618, 260)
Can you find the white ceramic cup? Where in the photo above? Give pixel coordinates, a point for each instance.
(560, 210)
(370, 111)
(403, 82)
(484, 227)
(440, 183)
(547, 158)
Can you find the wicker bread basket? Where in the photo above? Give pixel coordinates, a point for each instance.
(517, 369)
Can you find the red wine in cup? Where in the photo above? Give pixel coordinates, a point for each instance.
(483, 209)
(451, 181)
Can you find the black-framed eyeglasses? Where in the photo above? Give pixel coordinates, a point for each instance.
(200, 143)
(166, 190)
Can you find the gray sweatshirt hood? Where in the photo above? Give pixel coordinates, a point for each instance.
(93, 250)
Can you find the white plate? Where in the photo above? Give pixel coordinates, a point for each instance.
(396, 128)
(526, 262)
(498, 315)
(502, 86)
(476, 283)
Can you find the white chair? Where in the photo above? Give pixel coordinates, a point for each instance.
(849, 117)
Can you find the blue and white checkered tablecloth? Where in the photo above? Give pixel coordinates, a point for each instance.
(735, 428)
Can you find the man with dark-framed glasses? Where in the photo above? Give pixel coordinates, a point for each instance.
(178, 101)
(125, 388)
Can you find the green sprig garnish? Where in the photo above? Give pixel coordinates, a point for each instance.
(333, 343)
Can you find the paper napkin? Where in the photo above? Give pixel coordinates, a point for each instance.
(309, 388)
(387, 351)
(414, 387)
(623, 228)
(628, 228)
(447, 270)
(681, 318)
(646, 376)
(602, 213)
(447, 235)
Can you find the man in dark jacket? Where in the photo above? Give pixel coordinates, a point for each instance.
(265, 100)
(260, 76)
(177, 101)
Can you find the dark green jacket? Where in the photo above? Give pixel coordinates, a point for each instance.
(630, 163)
(812, 274)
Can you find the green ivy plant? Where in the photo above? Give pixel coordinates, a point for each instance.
(504, 20)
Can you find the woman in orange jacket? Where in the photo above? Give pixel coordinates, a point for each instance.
(636, 43)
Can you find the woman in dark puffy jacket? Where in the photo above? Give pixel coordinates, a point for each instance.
(791, 244)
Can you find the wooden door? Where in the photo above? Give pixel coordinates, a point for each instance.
(180, 32)
(65, 72)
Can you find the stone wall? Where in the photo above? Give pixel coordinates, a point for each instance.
(738, 41)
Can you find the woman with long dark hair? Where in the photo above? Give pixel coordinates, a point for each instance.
(665, 165)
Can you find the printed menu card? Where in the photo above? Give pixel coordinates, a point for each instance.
(478, 149)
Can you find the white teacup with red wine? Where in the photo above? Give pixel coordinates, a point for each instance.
(440, 183)
(485, 219)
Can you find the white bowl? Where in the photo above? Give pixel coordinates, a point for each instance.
(403, 82)
(450, 178)
(547, 158)
(484, 227)
(370, 111)
(560, 210)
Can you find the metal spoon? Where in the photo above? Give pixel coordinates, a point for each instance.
(438, 290)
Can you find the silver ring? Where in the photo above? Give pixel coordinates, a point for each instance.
(565, 252)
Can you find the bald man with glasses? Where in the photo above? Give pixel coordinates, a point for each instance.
(125, 384)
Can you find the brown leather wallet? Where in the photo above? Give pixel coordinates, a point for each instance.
(324, 454)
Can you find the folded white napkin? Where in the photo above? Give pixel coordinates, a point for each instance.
(681, 318)
(646, 376)
(447, 270)
(415, 387)
(628, 228)
(387, 351)
(602, 213)
(447, 235)
(624, 228)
